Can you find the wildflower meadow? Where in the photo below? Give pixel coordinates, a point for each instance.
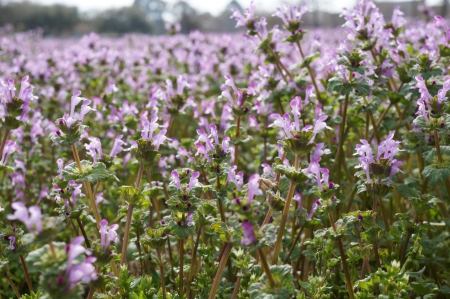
(279, 163)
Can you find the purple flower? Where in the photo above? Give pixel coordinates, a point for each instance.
(387, 149)
(314, 207)
(441, 23)
(248, 237)
(319, 151)
(237, 98)
(60, 164)
(176, 179)
(253, 187)
(190, 219)
(212, 146)
(117, 146)
(294, 128)
(283, 122)
(398, 18)
(12, 243)
(288, 14)
(423, 90)
(241, 19)
(148, 127)
(84, 272)
(75, 100)
(10, 147)
(108, 234)
(268, 170)
(74, 250)
(8, 92)
(237, 179)
(366, 157)
(402, 47)
(30, 217)
(193, 180)
(94, 148)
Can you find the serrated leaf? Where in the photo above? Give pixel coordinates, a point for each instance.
(91, 172)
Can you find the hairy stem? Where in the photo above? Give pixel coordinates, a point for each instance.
(87, 186)
(126, 236)
(266, 268)
(181, 279)
(25, 270)
(311, 73)
(339, 153)
(3, 144)
(293, 245)
(344, 260)
(284, 215)
(236, 149)
(13, 286)
(83, 232)
(219, 272)
(161, 271)
(193, 260)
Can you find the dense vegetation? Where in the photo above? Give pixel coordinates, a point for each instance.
(279, 164)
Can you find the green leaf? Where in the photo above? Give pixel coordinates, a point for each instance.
(309, 59)
(91, 172)
(284, 284)
(435, 174)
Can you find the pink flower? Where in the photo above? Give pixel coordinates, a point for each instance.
(30, 217)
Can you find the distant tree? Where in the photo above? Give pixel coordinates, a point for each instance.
(123, 20)
(54, 19)
(187, 16)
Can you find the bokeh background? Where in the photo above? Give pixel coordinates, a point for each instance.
(117, 17)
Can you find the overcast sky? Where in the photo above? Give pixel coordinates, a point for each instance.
(213, 6)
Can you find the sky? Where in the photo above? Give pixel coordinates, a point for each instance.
(215, 7)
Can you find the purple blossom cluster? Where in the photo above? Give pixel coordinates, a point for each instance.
(143, 151)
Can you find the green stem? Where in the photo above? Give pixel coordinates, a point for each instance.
(126, 236)
(293, 245)
(161, 270)
(155, 201)
(5, 138)
(402, 116)
(441, 160)
(266, 268)
(80, 224)
(170, 257)
(311, 73)
(138, 246)
(375, 129)
(193, 260)
(339, 153)
(181, 279)
(278, 63)
(91, 293)
(344, 260)
(284, 215)
(219, 202)
(13, 286)
(87, 186)
(236, 150)
(75, 229)
(384, 213)
(25, 270)
(221, 267)
(441, 204)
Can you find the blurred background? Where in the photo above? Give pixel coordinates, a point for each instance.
(117, 17)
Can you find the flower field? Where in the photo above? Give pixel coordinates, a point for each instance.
(279, 163)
